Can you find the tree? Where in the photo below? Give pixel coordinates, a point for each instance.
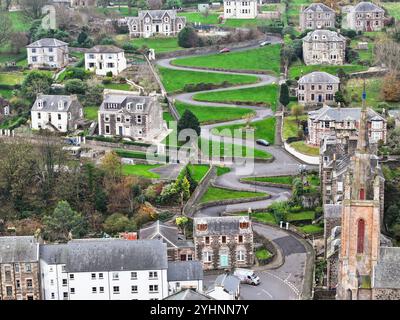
(182, 222)
(75, 86)
(182, 187)
(391, 87)
(118, 222)
(36, 82)
(155, 4)
(111, 164)
(63, 222)
(288, 54)
(284, 95)
(339, 97)
(192, 182)
(5, 30)
(387, 52)
(188, 38)
(94, 93)
(297, 111)
(173, 4)
(189, 121)
(33, 8)
(18, 41)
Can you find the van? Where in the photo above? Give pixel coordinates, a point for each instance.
(247, 276)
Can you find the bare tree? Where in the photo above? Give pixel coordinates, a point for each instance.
(33, 8)
(387, 52)
(18, 41)
(5, 30)
(155, 4)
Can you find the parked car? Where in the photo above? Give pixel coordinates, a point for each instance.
(247, 276)
(264, 43)
(224, 50)
(262, 142)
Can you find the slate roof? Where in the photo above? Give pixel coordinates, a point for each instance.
(107, 255)
(50, 103)
(47, 42)
(387, 271)
(318, 7)
(105, 49)
(188, 294)
(156, 15)
(228, 282)
(367, 7)
(332, 211)
(18, 249)
(331, 36)
(185, 271)
(342, 114)
(147, 102)
(221, 225)
(318, 77)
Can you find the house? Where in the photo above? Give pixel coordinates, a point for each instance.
(105, 59)
(47, 52)
(56, 113)
(150, 23)
(19, 268)
(226, 287)
(223, 242)
(317, 16)
(104, 269)
(236, 9)
(129, 115)
(183, 275)
(324, 47)
(188, 294)
(343, 122)
(5, 110)
(179, 249)
(82, 3)
(317, 87)
(366, 16)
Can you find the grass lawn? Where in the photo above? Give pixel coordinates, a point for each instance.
(18, 58)
(7, 94)
(242, 23)
(278, 179)
(11, 78)
(393, 9)
(305, 215)
(213, 114)
(263, 254)
(262, 59)
(215, 194)
(294, 10)
(299, 69)
(304, 148)
(193, 17)
(142, 170)
(91, 112)
(290, 127)
(263, 129)
(158, 44)
(168, 117)
(311, 229)
(118, 86)
(176, 80)
(20, 22)
(265, 95)
(130, 154)
(222, 170)
(262, 217)
(366, 55)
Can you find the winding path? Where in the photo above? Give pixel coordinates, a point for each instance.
(287, 281)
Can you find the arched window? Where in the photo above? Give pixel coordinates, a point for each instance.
(362, 194)
(360, 235)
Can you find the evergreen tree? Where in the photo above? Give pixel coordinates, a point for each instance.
(284, 95)
(192, 182)
(339, 97)
(189, 121)
(188, 38)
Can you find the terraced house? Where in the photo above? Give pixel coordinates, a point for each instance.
(324, 47)
(47, 52)
(151, 23)
(103, 59)
(238, 9)
(317, 87)
(19, 268)
(366, 16)
(317, 16)
(223, 242)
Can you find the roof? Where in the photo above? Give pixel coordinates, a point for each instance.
(95, 255)
(105, 49)
(332, 211)
(156, 15)
(184, 271)
(147, 101)
(323, 35)
(387, 271)
(319, 77)
(367, 7)
(342, 114)
(188, 294)
(47, 42)
(160, 230)
(222, 225)
(318, 7)
(51, 103)
(18, 249)
(228, 282)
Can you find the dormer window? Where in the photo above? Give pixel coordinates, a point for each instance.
(128, 106)
(315, 37)
(60, 105)
(139, 107)
(244, 224)
(323, 37)
(40, 104)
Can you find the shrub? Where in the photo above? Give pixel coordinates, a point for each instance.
(107, 80)
(109, 74)
(75, 86)
(349, 33)
(129, 47)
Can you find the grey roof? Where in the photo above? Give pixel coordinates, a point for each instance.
(105, 49)
(51, 103)
(188, 294)
(318, 7)
(222, 225)
(367, 7)
(107, 255)
(387, 271)
(158, 230)
(184, 271)
(319, 77)
(47, 42)
(324, 35)
(147, 101)
(156, 15)
(228, 282)
(332, 211)
(342, 114)
(18, 249)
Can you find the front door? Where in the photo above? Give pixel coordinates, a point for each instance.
(320, 98)
(157, 28)
(100, 65)
(223, 260)
(120, 130)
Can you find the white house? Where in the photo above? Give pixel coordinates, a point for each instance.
(104, 269)
(56, 112)
(226, 287)
(238, 9)
(104, 59)
(47, 52)
(184, 275)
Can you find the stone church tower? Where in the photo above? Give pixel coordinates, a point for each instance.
(361, 220)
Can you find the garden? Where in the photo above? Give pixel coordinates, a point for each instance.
(217, 194)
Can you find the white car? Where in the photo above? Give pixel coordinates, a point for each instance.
(247, 276)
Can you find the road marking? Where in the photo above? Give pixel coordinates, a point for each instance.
(288, 277)
(265, 291)
(285, 281)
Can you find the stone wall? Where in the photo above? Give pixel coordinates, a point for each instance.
(385, 294)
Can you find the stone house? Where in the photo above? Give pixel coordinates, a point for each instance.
(104, 59)
(324, 47)
(343, 122)
(179, 249)
(129, 115)
(317, 87)
(223, 242)
(47, 52)
(366, 16)
(151, 23)
(19, 268)
(238, 9)
(56, 113)
(317, 16)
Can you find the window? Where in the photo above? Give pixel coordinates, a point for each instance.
(127, 119)
(360, 236)
(223, 239)
(9, 291)
(115, 276)
(51, 59)
(69, 116)
(376, 124)
(207, 240)
(91, 65)
(72, 290)
(29, 297)
(329, 87)
(94, 290)
(8, 274)
(107, 118)
(59, 116)
(91, 56)
(202, 226)
(40, 104)
(50, 49)
(34, 59)
(207, 256)
(134, 289)
(240, 255)
(18, 284)
(29, 283)
(101, 289)
(190, 257)
(153, 275)
(28, 267)
(139, 106)
(116, 290)
(133, 275)
(107, 128)
(153, 288)
(244, 225)
(110, 65)
(16, 268)
(93, 276)
(362, 194)
(118, 119)
(64, 282)
(139, 119)
(312, 87)
(65, 295)
(33, 50)
(52, 282)
(71, 276)
(53, 295)
(100, 275)
(240, 239)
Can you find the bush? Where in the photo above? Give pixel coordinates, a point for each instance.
(107, 41)
(349, 33)
(76, 73)
(107, 80)
(130, 48)
(75, 86)
(109, 74)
